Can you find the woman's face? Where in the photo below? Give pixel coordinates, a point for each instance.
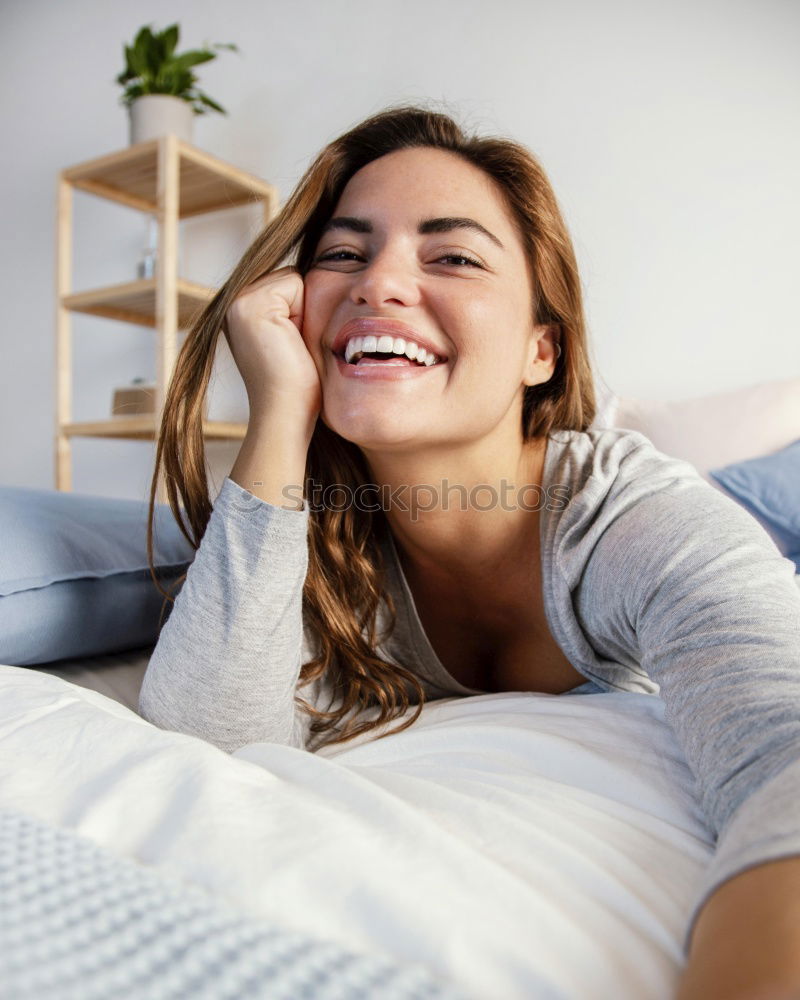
(461, 292)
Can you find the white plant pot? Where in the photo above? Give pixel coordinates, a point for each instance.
(155, 115)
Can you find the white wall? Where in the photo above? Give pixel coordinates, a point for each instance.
(669, 132)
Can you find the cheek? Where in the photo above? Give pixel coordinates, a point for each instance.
(492, 349)
(478, 306)
(484, 325)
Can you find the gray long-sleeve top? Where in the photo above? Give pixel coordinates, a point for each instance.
(653, 581)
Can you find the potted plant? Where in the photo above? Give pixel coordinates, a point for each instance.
(160, 87)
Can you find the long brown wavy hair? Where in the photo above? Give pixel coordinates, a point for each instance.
(344, 584)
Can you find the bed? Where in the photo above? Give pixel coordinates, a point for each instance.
(514, 845)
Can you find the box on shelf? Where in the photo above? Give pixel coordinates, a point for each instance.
(134, 400)
(138, 400)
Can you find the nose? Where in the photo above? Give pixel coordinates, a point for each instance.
(387, 277)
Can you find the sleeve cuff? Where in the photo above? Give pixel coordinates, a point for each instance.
(234, 496)
(766, 827)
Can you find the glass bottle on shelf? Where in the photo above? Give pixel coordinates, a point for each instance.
(146, 268)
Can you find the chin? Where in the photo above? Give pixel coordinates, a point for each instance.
(370, 431)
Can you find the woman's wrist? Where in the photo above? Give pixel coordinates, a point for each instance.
(271, 463)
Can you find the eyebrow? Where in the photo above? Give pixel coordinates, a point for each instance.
(444, 225)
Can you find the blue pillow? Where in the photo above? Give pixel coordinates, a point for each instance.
(769, 488)
(74, 578)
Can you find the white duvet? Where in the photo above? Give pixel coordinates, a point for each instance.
(522, 845)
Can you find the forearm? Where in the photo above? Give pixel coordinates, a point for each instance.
(228, 658)
(746, 941)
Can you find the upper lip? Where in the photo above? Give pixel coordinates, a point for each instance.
(377, 325)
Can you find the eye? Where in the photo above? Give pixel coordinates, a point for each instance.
(461, 256)
(344, 254)
(335, 255)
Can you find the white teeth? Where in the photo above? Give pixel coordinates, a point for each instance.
(353, 346)
(386, 344)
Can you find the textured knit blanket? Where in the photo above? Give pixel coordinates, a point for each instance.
(79, 923)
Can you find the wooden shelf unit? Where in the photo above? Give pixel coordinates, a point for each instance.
(170, 180)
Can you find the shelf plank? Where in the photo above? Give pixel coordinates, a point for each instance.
(135, 301)
(144, 428)
(207, 184)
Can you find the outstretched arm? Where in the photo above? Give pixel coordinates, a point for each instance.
(696, 594)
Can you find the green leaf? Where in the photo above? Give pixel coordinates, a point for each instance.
(138, 61)
(170, 40)
(128, 73)
(154, 54)
(155, 57)
(194, 57)
(138, 55)
(142, 38)
(209, 103)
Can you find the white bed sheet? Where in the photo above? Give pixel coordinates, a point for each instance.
(522, 845)
(117, 675)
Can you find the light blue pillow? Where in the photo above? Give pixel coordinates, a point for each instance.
(74, 578)
(769, 488)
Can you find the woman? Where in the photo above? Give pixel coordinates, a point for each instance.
(473, 535)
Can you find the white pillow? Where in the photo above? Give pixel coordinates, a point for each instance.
(719, 429)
